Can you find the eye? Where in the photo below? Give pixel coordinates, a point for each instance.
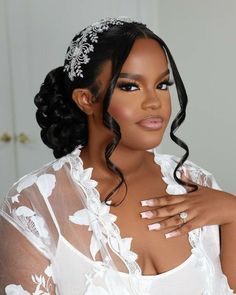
(164, 85)
(127, 86)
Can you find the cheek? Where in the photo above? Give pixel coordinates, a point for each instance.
(121, 113)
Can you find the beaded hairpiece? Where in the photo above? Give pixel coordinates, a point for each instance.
(82, 44)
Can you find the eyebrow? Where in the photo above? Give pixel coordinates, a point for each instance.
(140, 77)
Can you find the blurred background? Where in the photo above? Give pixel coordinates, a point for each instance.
(34, 36)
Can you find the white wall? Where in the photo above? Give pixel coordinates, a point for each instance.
(201, 36)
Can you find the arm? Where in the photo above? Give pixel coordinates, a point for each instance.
(228, 251)
(227, 232)
(23, 269)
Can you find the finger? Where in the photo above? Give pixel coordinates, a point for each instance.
(174, 221)
(164, 212)
(184, 229)
(163, 200)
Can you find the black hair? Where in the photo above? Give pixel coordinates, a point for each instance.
(64, 125)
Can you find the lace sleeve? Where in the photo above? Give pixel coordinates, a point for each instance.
(23, 270)
(25, 264)
(200, 175)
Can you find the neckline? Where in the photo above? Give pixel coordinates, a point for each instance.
(99, 264)
(94, 203)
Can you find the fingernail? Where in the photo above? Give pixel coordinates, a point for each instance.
(147, 203)
(172, 234)
(146, 214)
(154, 226)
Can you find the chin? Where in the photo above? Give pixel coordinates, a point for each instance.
(150, 146)
(142, 141)
(149, 143)
(142, 145)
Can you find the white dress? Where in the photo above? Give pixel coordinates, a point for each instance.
(61, 234)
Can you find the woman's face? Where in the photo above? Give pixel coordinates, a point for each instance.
(141, 102)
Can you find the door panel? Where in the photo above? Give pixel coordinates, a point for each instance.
(7, 150)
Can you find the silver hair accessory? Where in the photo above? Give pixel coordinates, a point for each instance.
(82, 44)
(183, 216)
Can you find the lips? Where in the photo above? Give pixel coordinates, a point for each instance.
(153, 122)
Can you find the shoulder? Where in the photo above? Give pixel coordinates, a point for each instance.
(44, 175)
(29, 180)
(42, 182)
(192, 170)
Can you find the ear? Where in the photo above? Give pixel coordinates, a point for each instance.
(84, 100)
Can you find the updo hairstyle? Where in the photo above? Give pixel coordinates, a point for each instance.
(64, 126)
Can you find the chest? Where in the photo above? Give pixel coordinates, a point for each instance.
(156, 254)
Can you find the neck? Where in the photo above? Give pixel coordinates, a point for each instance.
(127, 160)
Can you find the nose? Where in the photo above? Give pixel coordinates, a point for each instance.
(151, 100)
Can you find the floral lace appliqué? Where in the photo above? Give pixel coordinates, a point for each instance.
(99, 219)
(87, 217)
(42, 285)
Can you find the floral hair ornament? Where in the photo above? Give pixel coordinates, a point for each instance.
(82, 44)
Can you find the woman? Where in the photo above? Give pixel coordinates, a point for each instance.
(137, 222)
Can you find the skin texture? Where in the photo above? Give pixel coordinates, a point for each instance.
(157, 252)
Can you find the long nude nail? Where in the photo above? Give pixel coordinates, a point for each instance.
(146, 214)
(147, 203)
(154, 226)
(172, 234)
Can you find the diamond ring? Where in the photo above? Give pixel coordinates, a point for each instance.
(183, 216)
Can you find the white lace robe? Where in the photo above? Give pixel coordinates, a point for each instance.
(61, 200)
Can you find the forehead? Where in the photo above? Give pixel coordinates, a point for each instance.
(146, 56)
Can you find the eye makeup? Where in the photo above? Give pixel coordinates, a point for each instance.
(132, 85)
(166, 84)
(128, 85)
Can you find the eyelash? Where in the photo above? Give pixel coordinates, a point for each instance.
(122, 85)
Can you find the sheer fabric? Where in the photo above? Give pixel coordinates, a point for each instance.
(57, 237)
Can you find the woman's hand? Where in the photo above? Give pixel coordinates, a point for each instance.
(206, 206)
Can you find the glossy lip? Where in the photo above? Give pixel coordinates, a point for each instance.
(151, 122)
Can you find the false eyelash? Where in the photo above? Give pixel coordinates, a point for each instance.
(125, 84)
(134, 83)
(167, 82)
